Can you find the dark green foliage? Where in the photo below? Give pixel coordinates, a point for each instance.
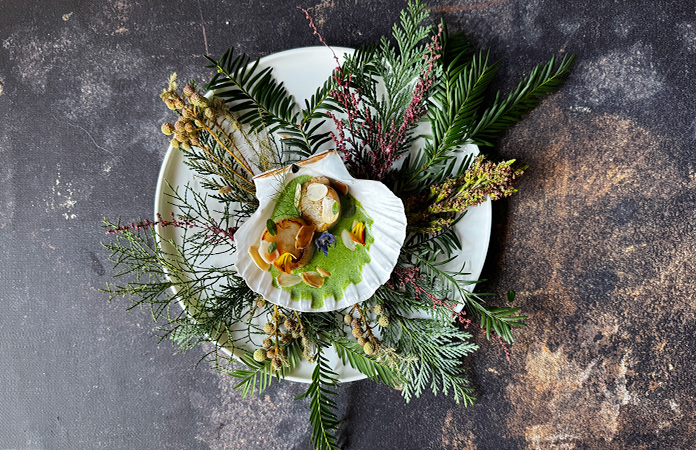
(322, 405)
(258, 376)
(439, 352)
(266, 106)
(542, 80)
(352, 353)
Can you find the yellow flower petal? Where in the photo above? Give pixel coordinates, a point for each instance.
(283, 262)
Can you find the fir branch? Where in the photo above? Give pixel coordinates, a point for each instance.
(264, 103)
(322, 407)
(453, 114)
(541, 81)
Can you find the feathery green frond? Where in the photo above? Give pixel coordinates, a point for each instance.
(369, 366)
(541, 81)
(439, 359)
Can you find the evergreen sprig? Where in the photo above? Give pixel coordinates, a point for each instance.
(352, 353)
(455, 110)
(439, 353)
(322, 405)
(264, 104)
(541, 81)
(258, 376)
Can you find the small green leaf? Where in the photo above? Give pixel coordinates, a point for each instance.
(334, 208)
(271, 227)
(510, 296)
(272, 247)
(349, 208)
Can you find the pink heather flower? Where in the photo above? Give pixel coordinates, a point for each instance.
(217, 233)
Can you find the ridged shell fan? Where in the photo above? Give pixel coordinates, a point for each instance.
(381, 205)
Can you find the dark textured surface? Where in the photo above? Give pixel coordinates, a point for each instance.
(599, 243)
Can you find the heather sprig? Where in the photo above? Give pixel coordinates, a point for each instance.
(217, 233)
(440, 206)
(375, 130)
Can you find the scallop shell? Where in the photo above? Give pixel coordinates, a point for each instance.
(388, 230)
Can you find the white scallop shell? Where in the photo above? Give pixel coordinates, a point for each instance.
(388, 230)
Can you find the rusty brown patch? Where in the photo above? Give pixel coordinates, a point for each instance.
(468, 7)
(600, 251)
(455, 438)
(562, 401)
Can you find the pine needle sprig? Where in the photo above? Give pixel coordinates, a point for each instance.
(314, 117)
(254, 94)
(265, 104)
(322, 405)
(455, 110)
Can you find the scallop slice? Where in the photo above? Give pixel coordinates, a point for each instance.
(285, 238)
(260, 263)
(288, 279)
(316, 191)
(312, 279)
(347, 240)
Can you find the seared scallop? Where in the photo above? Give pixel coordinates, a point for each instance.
(285, 240)
(319, 203)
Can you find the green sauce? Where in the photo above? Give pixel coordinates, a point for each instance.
(344, 265)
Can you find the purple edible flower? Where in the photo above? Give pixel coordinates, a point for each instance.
(324, 241)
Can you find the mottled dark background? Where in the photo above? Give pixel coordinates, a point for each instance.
(599, 242)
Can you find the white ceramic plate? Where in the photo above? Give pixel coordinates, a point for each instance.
(302, 70)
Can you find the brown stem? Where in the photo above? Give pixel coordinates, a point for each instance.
(222, 163)
(229, 138)
(207, 128)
